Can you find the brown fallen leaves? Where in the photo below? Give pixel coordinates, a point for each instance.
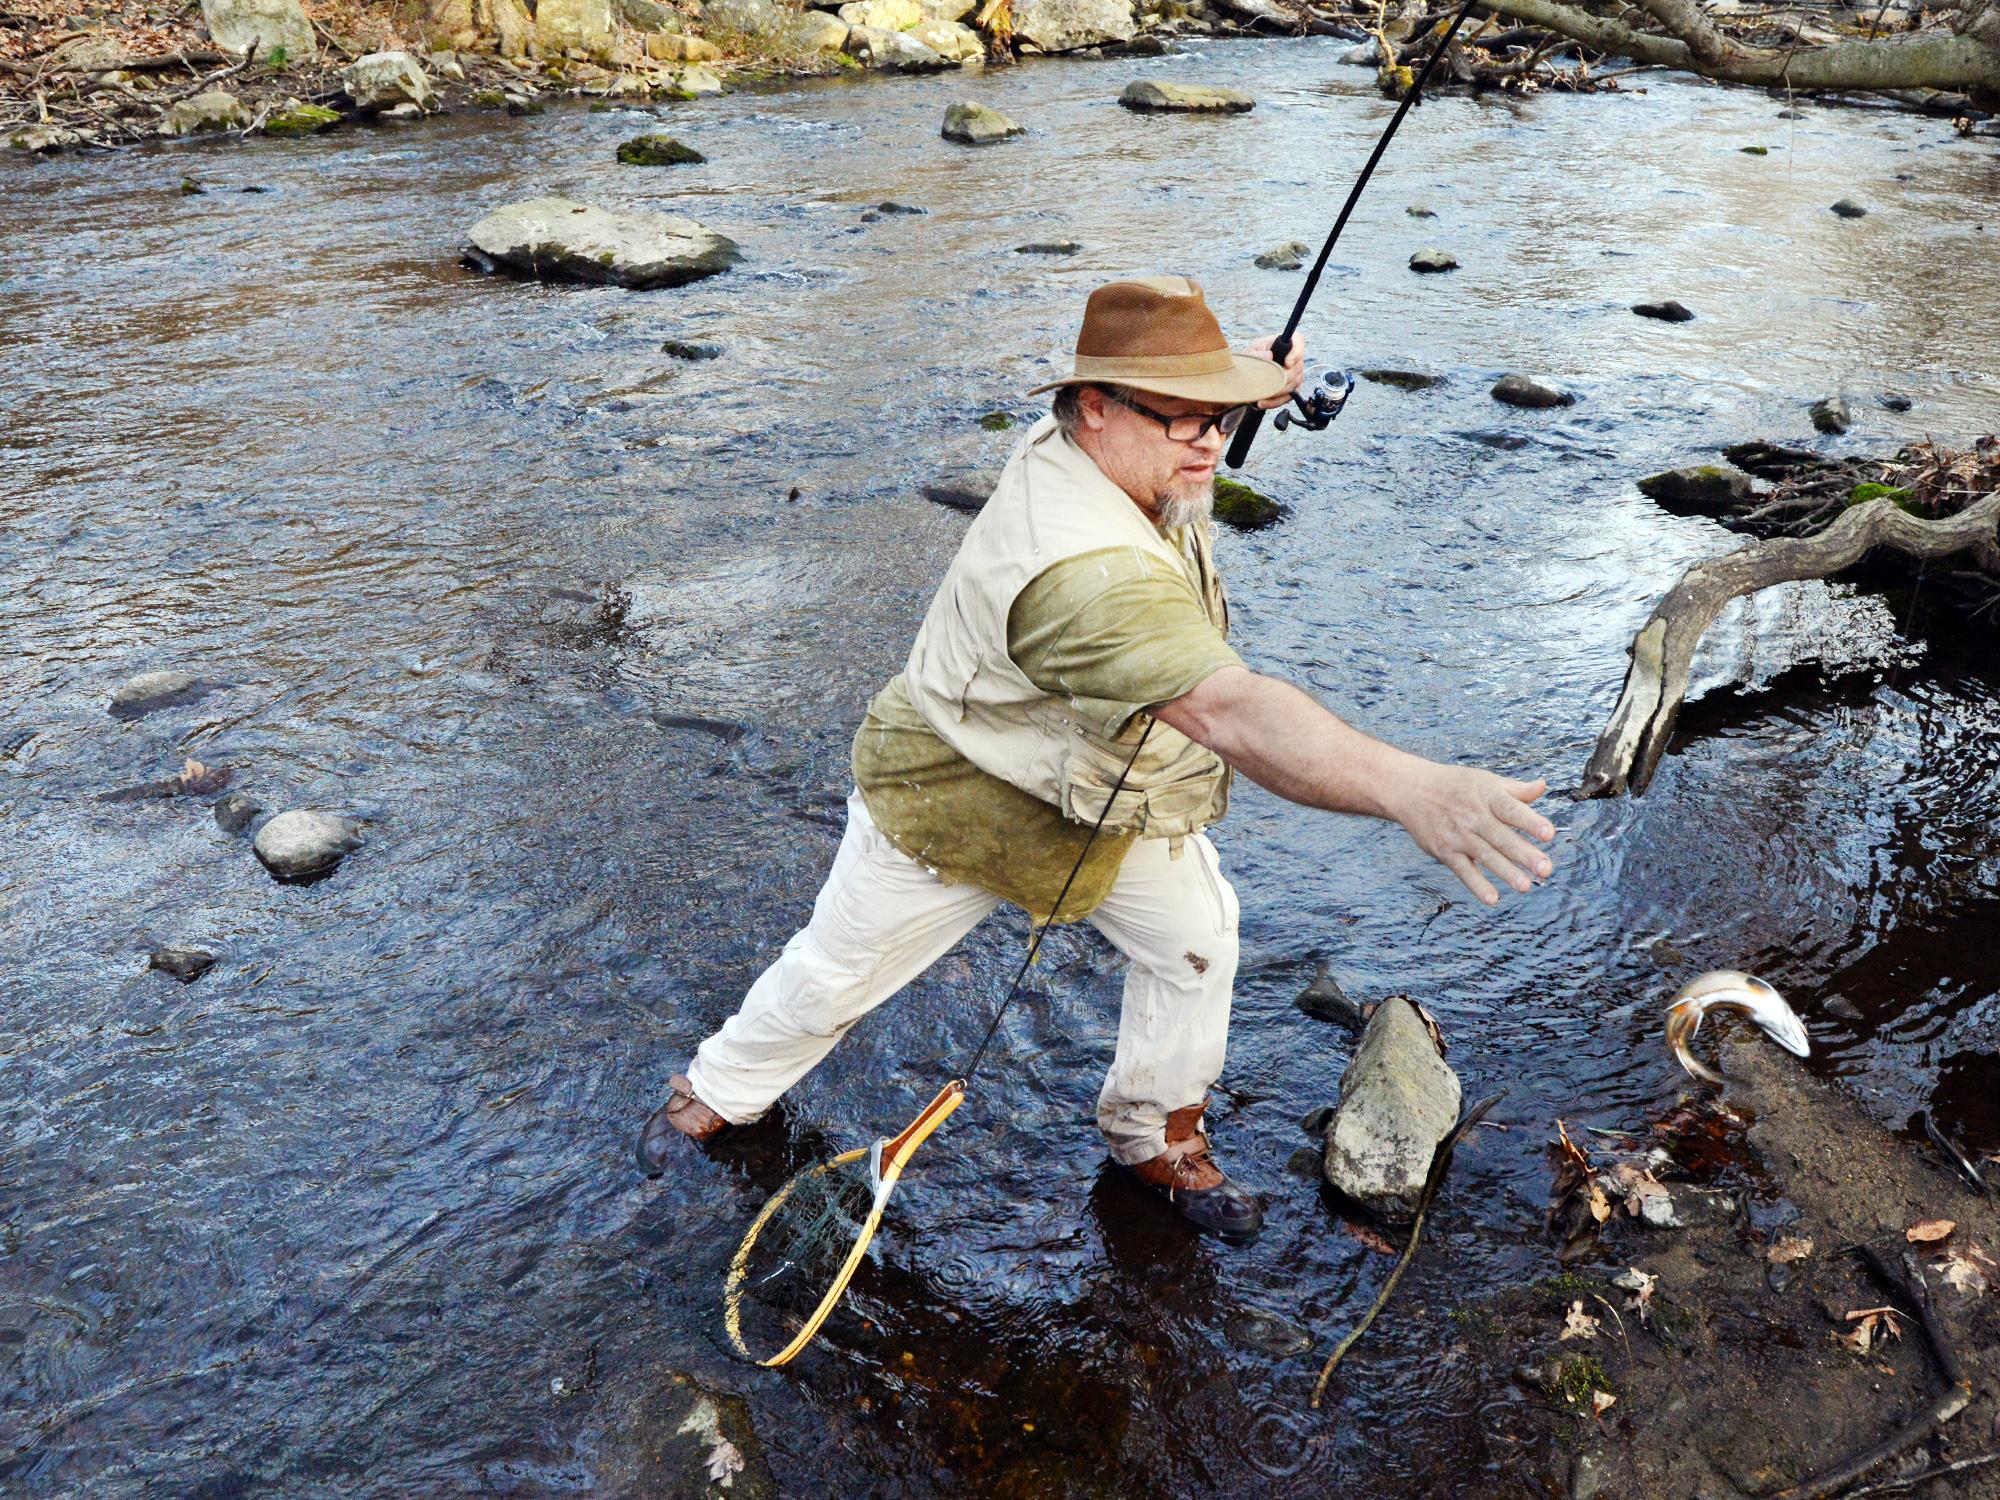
(1870, 1325)
(1586, 1196)
(1787, 1249)
(1968, 1269)
(1579, 1324)
(199, 780)
(1924, 1231)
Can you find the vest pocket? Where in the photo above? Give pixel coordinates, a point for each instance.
(1178, 794)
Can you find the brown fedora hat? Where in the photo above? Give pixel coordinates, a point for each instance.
(1156, 334)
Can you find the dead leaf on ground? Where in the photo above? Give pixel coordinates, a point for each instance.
(1788, 1249)
(1600, 1206)
(1642, 1296)
(1579, 1324)
(1601, 1402)
(1967, 1270)
(1870, 1323)
(1926, 1230)
(725, 1461)
(1633, 1187)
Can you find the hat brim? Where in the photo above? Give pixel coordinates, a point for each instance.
(1249, 379)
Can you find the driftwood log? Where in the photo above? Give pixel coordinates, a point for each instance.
(1629, 750)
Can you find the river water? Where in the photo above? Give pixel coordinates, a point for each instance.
(334, 1218)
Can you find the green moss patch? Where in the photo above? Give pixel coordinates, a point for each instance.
(1242, 507)
(658, 151)
(996, 421)
(301, 119)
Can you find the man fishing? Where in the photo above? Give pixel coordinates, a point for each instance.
(1064, 731)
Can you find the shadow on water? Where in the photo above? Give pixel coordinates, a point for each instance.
(581, 628)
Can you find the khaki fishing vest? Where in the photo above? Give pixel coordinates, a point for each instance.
(1053, 503)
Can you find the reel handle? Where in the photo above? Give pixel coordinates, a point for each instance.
(1239, 446)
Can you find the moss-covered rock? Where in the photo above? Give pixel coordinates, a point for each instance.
(1755, 150)
(996, 421)
(1403, 380)
(300, 118)
(1702, 488)
(658, 151)
(1242, 507)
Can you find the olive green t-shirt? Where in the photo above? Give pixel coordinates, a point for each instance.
(1111, 636)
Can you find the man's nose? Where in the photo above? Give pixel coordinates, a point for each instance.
(1211, 440)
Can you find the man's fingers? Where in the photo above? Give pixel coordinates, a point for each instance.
(1505, 870)
(1518, 814)
(1469, 876)
(1512, 847)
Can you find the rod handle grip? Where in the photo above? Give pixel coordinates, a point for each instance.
(1239, 446)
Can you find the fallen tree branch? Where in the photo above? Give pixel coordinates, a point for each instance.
(1903, 1486)
(1630, 747)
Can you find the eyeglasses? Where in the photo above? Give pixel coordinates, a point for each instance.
(1189, 428)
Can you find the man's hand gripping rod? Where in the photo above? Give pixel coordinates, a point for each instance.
(1324, 405)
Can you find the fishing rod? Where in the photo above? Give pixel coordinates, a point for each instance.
(1317, 411)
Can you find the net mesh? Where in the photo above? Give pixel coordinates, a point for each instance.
(799, 1250)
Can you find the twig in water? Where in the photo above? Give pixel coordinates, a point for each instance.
(1891, 1486)
(1440, 1162)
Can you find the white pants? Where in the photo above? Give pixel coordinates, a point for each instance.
(882, 919)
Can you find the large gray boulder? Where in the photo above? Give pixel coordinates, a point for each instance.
(814, 31)
(383, 80)
(893, 52)
(949, 40)
(217, 109)
(644, 15)
(1152, 97)
(1398, 1100)
(973, 124)
(751, 18)
(584, 25)
(885, 15)
(1070, 25)
(299, 844)
(561, 239)
(271, 24)
(150, 690)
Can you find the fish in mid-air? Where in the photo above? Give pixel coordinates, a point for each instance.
(1731, 989)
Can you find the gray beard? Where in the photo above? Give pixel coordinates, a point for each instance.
(1186, 504)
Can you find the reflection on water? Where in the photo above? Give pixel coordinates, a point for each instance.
(582, 630)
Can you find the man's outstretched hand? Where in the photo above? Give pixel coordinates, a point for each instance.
(1295, 366)
(1472, 821)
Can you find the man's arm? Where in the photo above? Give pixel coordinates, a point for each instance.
(1286, 742)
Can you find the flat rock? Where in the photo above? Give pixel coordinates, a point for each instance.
(1705, 489)
(814, 31)
(299, 844)
(217, 109)
(1519, 390)
(185, 964)
(42, 139)
(1847, 208)
(1150, 96)
(893, 52)
(382, 80)
(1398, 1101)
(973, 124)
(886, 15)
(1669, 311)
(150, 690)
(645, 16)
(235, 24)
(559, 238)
(1431, 262)
(962, 489)
(1831, 416)
(1071, 25)
(753, 18)
(1289, 256)
(1048, 247)
(668, 46)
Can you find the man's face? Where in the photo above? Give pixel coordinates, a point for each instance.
(1173, 482)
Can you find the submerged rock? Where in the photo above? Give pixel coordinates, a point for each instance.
(1894, 401)
(1398, 1101)
(566, 240)
(1070, 25)
(1669, 311)
(962, 489)
(1149, 96)
(973, 124)
(1847, 208)
(1702, 489)
(693, 353)
(271, 24)
(234, 812)
(150, 690)
(1431, 262)
(1265, 1333)
(185, 964)
(1325, 1000)
(299, 844)
(1236, 504)
(382, 80)
(657, 151)
(1519, 390)
(1406, 380)
(218, 109)
(1831, 416)
(1048, 247)
(1289, 256)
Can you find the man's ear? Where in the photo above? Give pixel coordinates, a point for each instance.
(1090, 406)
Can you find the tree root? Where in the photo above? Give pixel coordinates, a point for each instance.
(1629, 750)
(1948, 1402)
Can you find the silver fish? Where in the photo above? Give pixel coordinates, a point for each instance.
(1731, 989)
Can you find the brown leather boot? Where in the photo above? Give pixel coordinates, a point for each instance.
(682, 1114)
(1187, 1176)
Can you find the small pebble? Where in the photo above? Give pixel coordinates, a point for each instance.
(185, 964)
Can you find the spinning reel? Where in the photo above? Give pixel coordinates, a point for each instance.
(1316, 412)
